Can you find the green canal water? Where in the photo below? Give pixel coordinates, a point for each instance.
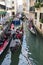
(31, 52)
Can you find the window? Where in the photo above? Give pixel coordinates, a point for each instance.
(13, 7)
(36, 0)
(41, 15)
(13, 13)
(12, 2)
(24, 9)
(35, 15)
(32, 8)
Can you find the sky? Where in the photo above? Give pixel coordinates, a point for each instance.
(19, 2)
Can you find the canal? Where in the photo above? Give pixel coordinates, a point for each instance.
(31, 52)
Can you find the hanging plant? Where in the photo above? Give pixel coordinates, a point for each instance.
(41, 4)
(37, 5)
(41, 20)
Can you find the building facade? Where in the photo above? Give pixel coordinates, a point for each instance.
(20, 9)
(36, 13)
(11, 7)
(39, 15)
(32, 9)
(26, 6)
(8, 4)
(2, 9)
(14, 7)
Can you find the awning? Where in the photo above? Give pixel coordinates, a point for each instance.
(2, 12)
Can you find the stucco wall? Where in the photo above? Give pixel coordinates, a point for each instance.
(37, 25)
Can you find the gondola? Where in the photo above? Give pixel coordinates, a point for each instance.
(32, 29)
(4, 41)
(15, 44)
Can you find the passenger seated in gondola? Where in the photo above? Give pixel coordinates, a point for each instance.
(12, 26)
(12, 29)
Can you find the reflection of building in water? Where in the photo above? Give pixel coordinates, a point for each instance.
(15, 57)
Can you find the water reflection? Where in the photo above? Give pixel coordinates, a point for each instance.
(7, 59)
(15, 57)
(32, 49)
(23, 58)
(2, 57)
(35, 44)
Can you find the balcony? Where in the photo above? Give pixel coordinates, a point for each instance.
(32, 9)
